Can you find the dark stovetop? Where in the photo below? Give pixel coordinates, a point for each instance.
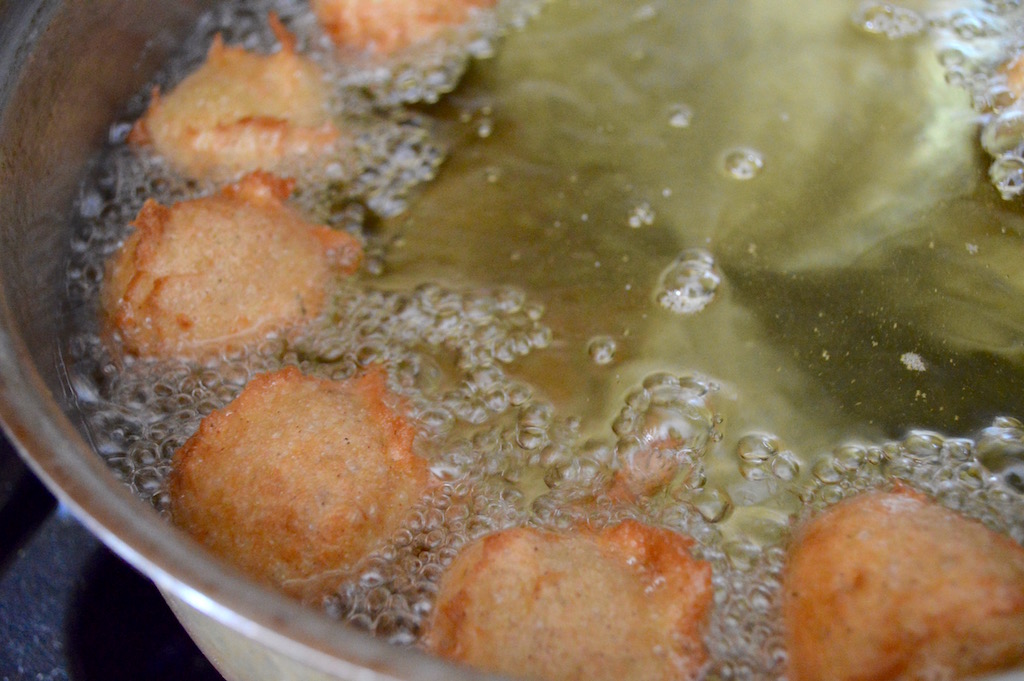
(72, 610)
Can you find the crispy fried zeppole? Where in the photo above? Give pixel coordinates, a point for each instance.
(1013, 70)
(627, 602)
(388, 26)
(890, 585)
(212, 274)
(241, 112)
(298, 478)
(650, 468)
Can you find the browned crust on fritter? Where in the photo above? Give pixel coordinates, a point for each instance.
(388, 26)
(890, 585)
(625, 602)
(212, 274)
(1014, 72)
(299, 478)
(241, 112)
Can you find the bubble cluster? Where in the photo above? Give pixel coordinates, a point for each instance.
(745, 637)
(762, 456)
(391, 592)
(979, 47)
(427, 71)
(1000, 451)
(664, 431)
(1007, 174)
(641, 215)
(1004, 132)
(502, 453)
(141, 413)
(891, 21)
(1002, 136)
(689, 284)
(421, 73)
(977, 477)
(393, 155)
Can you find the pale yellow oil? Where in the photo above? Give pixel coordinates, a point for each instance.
(765, 226)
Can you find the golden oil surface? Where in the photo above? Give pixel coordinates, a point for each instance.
(763, 229)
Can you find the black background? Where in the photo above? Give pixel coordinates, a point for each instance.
(71, 609)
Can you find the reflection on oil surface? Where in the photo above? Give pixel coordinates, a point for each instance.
(702, 264)
(869, 231)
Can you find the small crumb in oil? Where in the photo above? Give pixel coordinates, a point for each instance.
(641, 215)
(913, 361)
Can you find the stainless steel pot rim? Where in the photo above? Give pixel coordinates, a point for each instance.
(57, 452)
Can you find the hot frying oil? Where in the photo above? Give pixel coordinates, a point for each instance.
(767, 232)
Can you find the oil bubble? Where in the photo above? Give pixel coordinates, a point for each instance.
(602, 350)
(493, 174)
(922, 446)
(713, 504)
(757, 448)
(970, 23)
(1000, 450)
(689, 284)
(742, 163)
(1004, 133)
(825, 471)
(888, 20)
(762, 457)
(785, 466)
(645, 13)
(664, 430)
(641, 215)
(1007, 174)
(680, 116)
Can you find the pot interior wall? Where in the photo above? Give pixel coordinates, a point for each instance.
(66, 70)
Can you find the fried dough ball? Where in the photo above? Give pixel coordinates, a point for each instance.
(1014, 72)
(651, 467)
(627, 602)
(298, 478)
(212, 274)
(387, 26)
(241, 112)
(890, 585)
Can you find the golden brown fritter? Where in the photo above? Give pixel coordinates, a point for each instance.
(1014, 72)
(890, 585)
(387, 26)
(649, 468)
(627, 602)
(241, 112)
(212, 274)
(298, 478)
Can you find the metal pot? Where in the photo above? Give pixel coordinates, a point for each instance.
(66, 67)
(65, 70)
